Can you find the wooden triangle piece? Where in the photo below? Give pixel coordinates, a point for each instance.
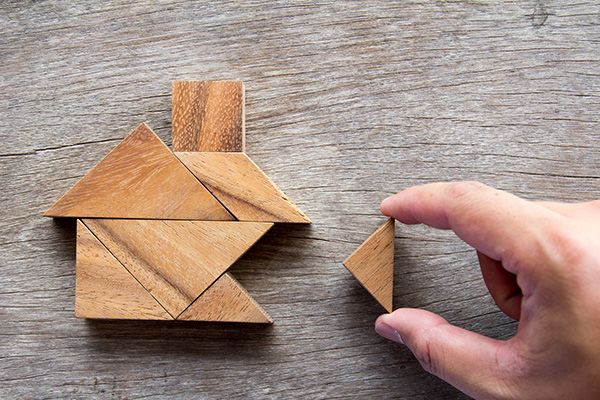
(226, 301)
(242, 187)
(208, 116)
(104, 288)
(372, 263)
(176, 260)
(140, 178)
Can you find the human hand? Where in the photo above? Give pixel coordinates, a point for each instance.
(541, 264)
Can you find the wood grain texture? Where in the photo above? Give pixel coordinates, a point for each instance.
(176, 260)
(140, 178)
(347, 103)
(104, 288)
(372, 264)
(226, 301)
(208, 116)
(242, 187)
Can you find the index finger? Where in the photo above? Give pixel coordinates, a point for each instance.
(498, 224)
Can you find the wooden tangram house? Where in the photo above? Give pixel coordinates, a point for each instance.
(157, 230)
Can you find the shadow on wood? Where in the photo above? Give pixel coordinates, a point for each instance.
(65, 230)
(179, 337)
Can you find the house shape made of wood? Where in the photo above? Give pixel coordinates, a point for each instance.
(157, 229)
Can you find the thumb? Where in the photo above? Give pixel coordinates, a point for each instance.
(475, 364)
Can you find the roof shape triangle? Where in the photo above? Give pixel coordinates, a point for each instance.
(242, 187)
(140, 178)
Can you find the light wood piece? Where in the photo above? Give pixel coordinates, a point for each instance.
(372, 264)
(140, 178)
(104, 288)
(208, 116)
(226, 301)
(176, 260)
(242, 187)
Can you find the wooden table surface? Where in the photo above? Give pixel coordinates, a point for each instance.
(347, 102)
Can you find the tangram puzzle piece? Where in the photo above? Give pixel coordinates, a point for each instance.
(372, 264)
(242, 187)
(176, 260)
(208, 116)
(226, 301)
(153, 242)
(104, 288)
(140, 178)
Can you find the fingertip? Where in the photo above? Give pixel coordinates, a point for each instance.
(399, 206)
(386, 330)
(386, 206)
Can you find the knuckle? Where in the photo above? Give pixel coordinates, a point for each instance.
(426, 352)
(462, 189)
(564, 244)
(464, 196)
(423, 354)
(514, 371)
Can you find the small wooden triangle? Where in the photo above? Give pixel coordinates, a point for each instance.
(372, 263)
(104, 288)
(226, 301)
(140, 178)
(242, 187)
(176, 260)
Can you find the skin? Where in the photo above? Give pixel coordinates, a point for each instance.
(540, 262)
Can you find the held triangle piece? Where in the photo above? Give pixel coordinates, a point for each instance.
(140, 178)
(242, 187)
(372, 264)
(104, 288)
(226, 301)
(153, 242)
(176, 260)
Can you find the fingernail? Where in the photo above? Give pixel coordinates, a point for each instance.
(385, 204)
(388, 332)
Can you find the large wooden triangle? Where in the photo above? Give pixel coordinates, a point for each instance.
(226, 301)
(372, 263)
(140, 178)
(104, 288)
(176, 260)
(242, 187)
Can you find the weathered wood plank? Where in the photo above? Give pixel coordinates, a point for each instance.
(347, 102)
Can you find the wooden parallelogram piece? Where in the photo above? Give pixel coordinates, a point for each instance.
(176, 260)
(208, 116)
(372, 264)
(104, 288)
(242, 187)
(226, 301)
(140, 178)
